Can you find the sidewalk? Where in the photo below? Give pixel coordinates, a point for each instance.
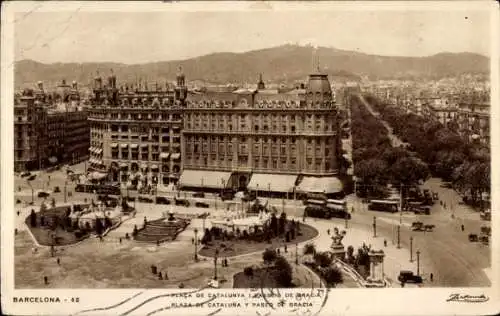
(395, 259)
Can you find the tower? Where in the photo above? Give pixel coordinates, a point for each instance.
(260, 84)
(180, 89)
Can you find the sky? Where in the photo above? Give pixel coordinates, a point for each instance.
(141, 37)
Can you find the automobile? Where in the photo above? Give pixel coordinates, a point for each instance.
(199, 195)
(249, 197)
(162, 200)
(228, 195)
(422, 210)
(43, 194)
(182, 202)
(144, 199)
(473, 237)
(447, 185)
(25, 174)
(201, 205)
(406, 276)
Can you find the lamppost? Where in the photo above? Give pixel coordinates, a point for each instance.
(296, 253)
(65, 184)
(374, 226)
(411, 248)
(32, 192)
(215, 263)
(195, 244)
(346, 219)
(268, 190)
(418, 262)
(399, 236)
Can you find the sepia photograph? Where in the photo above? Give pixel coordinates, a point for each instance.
(256, 158)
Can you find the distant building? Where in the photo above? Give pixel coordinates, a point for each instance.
(49, 129)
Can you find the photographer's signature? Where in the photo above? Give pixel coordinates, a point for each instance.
(455, 297)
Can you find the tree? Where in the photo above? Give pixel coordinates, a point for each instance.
(269, 256)
(284, 272)
(350, 254)
(248, 271)
(409, 171)
(33, 218)
(323, 259)
(274, 224)
(309, 249)
(281, 223)
(332, 276)
(98, 226)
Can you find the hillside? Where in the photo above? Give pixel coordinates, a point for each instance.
(286, 63)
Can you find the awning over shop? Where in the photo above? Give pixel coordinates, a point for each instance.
(154, 167)
(99, 162)
(320, 185)
(124, 145)
(144, 166)
(175, 156)
(123, 165)
(98, 150)
(114, 145)
(164, 155)
(53, 159)
(272, 182)
(144, 145)
(134, 146)
(97, 175)
(208, 179)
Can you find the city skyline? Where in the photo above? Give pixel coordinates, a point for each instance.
(50, 37)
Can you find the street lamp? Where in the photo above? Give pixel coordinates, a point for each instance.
(399, 236)
(195, 244)
(418, 262)
(32, 192)
(296, 253)
(269, 190)
(65, 184)
(346, 219)
(374, 226)
(215, 263)
(411, 248)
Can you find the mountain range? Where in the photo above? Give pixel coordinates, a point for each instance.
(281, 64)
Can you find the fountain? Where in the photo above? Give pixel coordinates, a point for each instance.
(337, 248)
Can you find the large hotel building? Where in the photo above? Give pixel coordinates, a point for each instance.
(261, 139)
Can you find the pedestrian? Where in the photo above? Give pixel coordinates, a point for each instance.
(192, 241)
(463, 227)
(166, 275)
(120, 240)
(385, 243)
(160, 277)
(58, 261)
(45, 280)
(18, 213)
(286, 250)
(328, 231)
(15, 231)
(158, 243)
(402, 284)
(278, 251)
(432, 277)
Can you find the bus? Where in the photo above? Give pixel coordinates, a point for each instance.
(338, 208)
(383, 206)
(98, 188)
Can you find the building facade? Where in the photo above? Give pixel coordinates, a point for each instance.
(263, 139)
(136, 132)
(50, 129)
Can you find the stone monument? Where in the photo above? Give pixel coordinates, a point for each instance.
(376, 278)
(337, 248)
